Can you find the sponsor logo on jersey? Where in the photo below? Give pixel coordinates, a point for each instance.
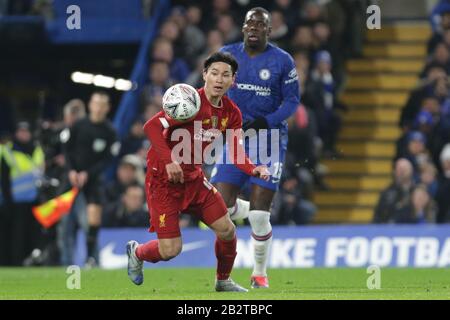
(259, 90)
(293, 73)
(207, 135)
(292, 76)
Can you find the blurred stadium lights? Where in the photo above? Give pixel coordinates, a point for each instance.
(100, 80)
(103, 81)
(80, 77)
(123, 85)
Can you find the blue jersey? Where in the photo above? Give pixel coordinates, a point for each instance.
(266, 85)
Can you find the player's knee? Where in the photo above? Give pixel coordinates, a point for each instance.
(231, 230)
(261, 204)
(261, 199)
(260, 222)
(227, 232)
(170, 251)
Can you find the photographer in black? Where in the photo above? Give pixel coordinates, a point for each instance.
(90, 145)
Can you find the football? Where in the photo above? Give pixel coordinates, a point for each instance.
(181, 102)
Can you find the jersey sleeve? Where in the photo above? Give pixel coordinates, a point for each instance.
(290, 93)
(154, 130)
(235, 142)
(226, 48)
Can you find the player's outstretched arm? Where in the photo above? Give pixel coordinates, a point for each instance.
(240, 158)
(290, 94)
(154, 129)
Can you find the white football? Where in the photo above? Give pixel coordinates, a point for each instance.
(181, 102)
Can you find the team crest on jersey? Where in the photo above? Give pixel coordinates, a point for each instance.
(264, 74)
(223, 124)
(214, 122)
(206, 121)
(162, 220)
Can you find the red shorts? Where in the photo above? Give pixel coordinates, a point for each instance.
(166, 200)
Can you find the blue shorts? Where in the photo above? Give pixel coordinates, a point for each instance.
(229, 173)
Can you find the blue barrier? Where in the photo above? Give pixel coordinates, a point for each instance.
(298, 247)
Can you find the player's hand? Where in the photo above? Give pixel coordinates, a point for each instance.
(73, 178)
(82, 178)
(261, 172)
(257, 124)
(174, 172)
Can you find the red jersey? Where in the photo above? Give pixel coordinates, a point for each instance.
(209, 123)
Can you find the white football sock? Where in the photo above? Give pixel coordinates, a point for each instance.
(240, 210)
(262, 239)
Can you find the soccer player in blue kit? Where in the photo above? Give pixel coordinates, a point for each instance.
(266, 91)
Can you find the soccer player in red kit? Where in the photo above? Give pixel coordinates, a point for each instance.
(174, 186)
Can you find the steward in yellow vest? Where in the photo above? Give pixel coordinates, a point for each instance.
(25, 161)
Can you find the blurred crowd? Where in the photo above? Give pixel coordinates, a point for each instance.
(195, 29)
(420, 192)
(45, 8)
(192, 31)
(35, 168)
(27, 7)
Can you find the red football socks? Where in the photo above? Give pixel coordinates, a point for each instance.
(225, 253)
(149, 251)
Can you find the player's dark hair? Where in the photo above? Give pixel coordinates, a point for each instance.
(264, 11)
(221, 57)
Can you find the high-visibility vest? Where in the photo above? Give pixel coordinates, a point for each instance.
(25, 172)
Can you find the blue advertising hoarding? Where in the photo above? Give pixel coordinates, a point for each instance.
(297, 247)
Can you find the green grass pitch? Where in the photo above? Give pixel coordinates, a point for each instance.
(191, 283)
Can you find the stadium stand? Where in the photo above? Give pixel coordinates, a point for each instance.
(377, 88)
(339, 161)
